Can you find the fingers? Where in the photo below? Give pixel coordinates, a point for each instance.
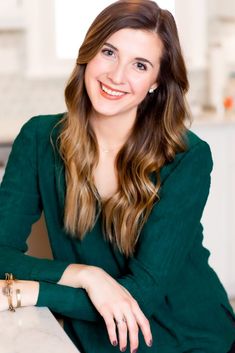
(127, 320)
(121, 325)
(141, 320)
(143, 323)
(111, 328)
(128, 323)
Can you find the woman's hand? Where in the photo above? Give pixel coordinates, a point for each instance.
(29, 291)
(115, 303)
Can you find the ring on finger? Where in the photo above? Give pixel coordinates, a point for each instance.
(119, 322)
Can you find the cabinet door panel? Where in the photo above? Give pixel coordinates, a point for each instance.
(218, 216)
(191, 19)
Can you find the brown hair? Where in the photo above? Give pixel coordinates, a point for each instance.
(157, 134)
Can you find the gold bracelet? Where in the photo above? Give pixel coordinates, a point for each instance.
(18, 298)
(8, 290)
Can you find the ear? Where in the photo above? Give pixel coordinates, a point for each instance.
(154, 86)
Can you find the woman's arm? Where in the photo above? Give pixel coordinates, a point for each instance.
(28, 293)
(111, 300)
(20, 207)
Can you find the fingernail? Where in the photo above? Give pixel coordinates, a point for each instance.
(150, 343)
(123, 349)
(134, 351)
(114, 343)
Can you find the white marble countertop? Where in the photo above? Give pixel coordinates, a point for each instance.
(214, 120)
(33, 330)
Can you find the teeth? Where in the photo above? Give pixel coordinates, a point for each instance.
(112, 93)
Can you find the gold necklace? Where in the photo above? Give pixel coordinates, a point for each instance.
(107, 150)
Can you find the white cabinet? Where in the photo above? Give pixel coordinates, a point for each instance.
(225, 8)
(42, 59)
(218, 218)
(191, 19)
(11, 14)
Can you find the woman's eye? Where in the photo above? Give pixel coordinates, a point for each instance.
(107, 52)
(141, 66)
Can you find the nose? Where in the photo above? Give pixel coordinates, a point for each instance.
(117, 74)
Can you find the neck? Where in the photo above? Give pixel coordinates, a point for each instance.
(111, 131)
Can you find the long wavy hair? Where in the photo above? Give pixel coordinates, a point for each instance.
(157, 134)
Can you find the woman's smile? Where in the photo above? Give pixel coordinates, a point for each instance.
(110, 93)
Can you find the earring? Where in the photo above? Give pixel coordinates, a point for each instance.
(151, 90)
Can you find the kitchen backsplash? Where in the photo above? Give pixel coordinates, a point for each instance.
(21, 98)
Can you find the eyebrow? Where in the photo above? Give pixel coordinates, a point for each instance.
(139, 59)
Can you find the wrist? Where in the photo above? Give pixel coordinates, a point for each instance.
(88, 274)
(85, 275)
(29, 291)
(74, 275)
(3, 298)
(27, 296)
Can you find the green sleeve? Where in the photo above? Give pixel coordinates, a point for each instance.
(67, 301)
(20, 207)
(165, 240)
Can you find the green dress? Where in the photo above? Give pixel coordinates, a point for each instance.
(169, 275)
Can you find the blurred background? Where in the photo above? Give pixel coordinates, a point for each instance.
(39, 41)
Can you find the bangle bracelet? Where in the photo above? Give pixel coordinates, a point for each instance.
(18, 298)
(8, 290)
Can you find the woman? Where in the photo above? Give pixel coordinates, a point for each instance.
(123, 184)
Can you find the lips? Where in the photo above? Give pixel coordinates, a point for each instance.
(109, 92)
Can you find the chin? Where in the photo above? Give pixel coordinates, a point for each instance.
(105, 109)
(106, 113)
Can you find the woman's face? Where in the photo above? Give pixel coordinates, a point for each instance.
(119, 77)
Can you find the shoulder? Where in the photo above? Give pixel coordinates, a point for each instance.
(42, 125)
(196, 146)
(196, 158)
(36, 135)
(192, 139)
(39, 132)
(34, 139)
